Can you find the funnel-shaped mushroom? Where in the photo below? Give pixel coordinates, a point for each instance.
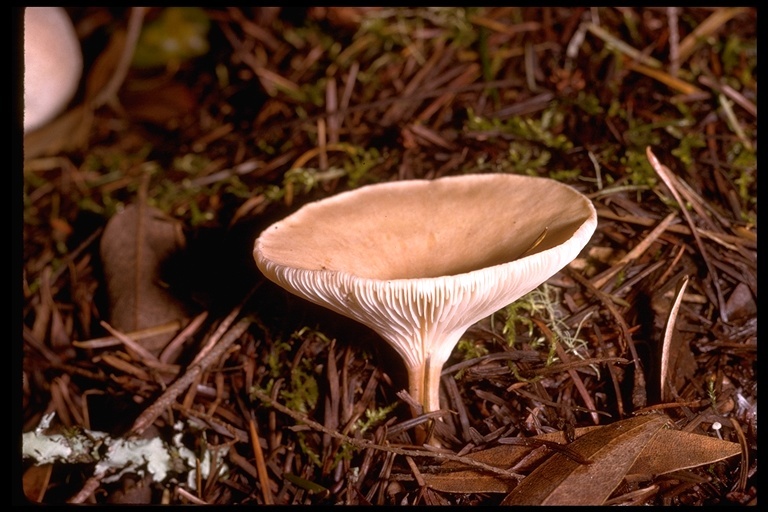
(420, 261)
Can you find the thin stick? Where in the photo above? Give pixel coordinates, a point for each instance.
(664, 174)
(744, 469)
(88, 488)
(637, 251)
(674, 41)
(111, 341)
(132, 346)
(706, 28)
(191, 497)
(639, 394)
(363, 444)
(622, 47)
(173, 348)
(221, 329)
(261, 465)
(574, 376)
(536, 242)
(732, 93)
(109, 93)
(152, 412)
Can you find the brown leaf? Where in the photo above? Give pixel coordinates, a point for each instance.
(67, 132)
(741, 304)
(473, 481)
(159, 105)
(668, 451)
(35, 482)
(674, 450)
(612, 450)
(133, 247)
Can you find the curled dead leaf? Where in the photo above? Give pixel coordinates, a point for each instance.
(667, 451)
(133, 247)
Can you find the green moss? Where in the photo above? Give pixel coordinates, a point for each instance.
(544, 130)
(471, 349)
(178, 34)
(542, 303)
(685, 151)
(373, 417)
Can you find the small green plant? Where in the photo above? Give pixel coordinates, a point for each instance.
(360, 163)
(711, 389)
(542, 130)
(275, 358)
(471, 349)
(178, 34)
(740, 60)
(589, 103)
(542, 303)
(373, 417)
(688, 143)
(306, 179)
(638, 169)
(394, 28)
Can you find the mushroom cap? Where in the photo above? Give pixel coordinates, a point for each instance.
(53, 64)
(419, 261)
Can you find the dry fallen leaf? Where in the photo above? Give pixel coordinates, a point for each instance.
(134, 245)
(35, 482)
(611, 451)
(668, 451)
(741, 303)
(160, 105)
(674, 450)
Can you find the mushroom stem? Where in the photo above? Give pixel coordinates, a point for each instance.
(424, 388)
(424, 384)
(431, 395)
(425, 363)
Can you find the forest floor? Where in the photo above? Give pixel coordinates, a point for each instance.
(229, 119)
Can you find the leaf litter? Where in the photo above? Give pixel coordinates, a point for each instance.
(283, 106)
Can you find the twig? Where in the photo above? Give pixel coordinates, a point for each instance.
(574, 376)
(191, 497)
(171, 351)
(479, 86)
(667, 79)
(707, 28)
(70, 256)
(551, 403)
(639, 395)
(623, 47)
(109, 93)
(636, 251)
(223, 326)
(732, 93)
(680, 229)
(744, 469)
(363, 444)
(131, 345)
(733, 122)
(88, 488)
(663, 173)
(111, 341)
(261, 466)
(152, 412)
(674, 41)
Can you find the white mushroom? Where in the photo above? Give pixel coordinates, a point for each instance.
(53, 63)
(420, 261)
